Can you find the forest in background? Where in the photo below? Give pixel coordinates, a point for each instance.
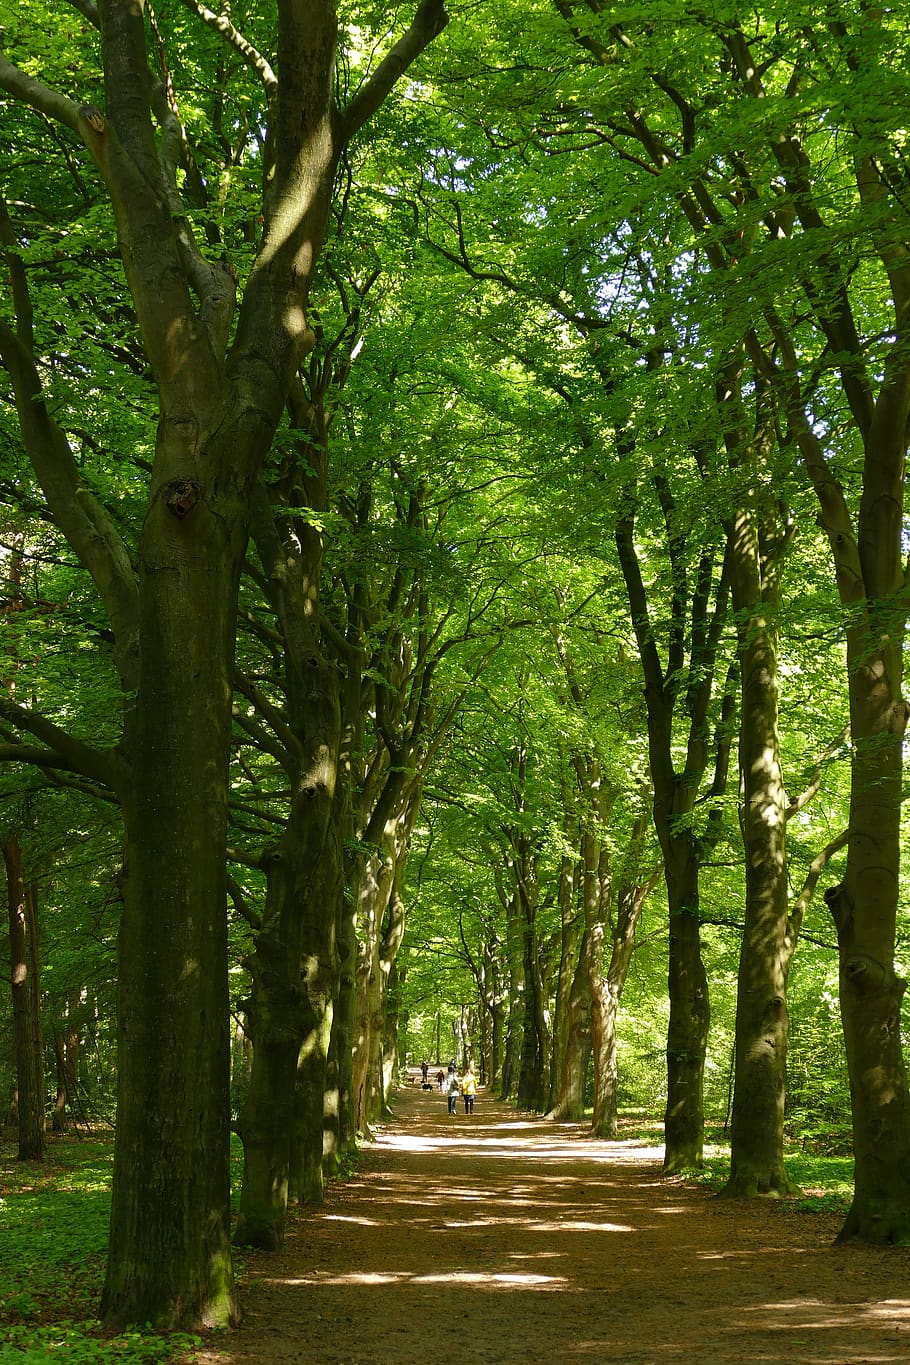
(454, 588)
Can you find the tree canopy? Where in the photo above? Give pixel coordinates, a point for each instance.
(454, 585)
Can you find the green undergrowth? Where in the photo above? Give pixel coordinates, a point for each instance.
(53, 1233)
(54, 1218)
(826, 1179)
(826, 1182)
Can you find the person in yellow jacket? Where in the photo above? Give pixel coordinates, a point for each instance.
(469, 1089)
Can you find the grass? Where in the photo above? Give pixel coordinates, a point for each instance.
(825, 1180)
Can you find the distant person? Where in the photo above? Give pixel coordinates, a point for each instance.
(440, 1079)
(425, 1069)
(469, 1089)
(452, 1086)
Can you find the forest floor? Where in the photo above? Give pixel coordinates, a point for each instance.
(504, 1238)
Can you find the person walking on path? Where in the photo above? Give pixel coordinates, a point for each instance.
(452, 1086)
(469, 1089)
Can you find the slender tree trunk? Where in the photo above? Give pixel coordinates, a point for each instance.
(531, 1080)
(66, 1054)
(26, 1001)
(687, 1030)
(514, 1032)
(629, 895)
(674, 799)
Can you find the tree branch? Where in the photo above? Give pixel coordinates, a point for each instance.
(429, 21)
(65, 750)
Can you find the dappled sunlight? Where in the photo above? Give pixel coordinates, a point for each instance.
(509, 1279)
(448, 1220)
(816, 1314)
(891, 1310)
(359, 1221)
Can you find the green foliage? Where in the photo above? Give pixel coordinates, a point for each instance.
(53, 1234)
(826, 1182)
(83, 1344)
(54, 1220)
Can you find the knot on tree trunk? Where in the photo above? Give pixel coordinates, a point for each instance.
(841, 906)
(180, 496)
(865, 975)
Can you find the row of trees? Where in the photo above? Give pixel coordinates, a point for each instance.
(477, 471)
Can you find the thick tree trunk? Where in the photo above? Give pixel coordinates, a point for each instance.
(169, 1261)
(864, 908)
(294, 973)
(604, 1004)
(570, 1101)
(26, 1002)
(375, 888)
(392, 1023)
(341, 1119)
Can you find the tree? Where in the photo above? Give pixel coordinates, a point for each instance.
(222, 368)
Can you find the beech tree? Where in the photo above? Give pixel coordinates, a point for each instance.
(222, 353)
(817, 249)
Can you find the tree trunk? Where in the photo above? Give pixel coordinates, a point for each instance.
(26, 1002)
(66, 1053)
(675, 794)
(570, 1102)
(532, 1076)
(629, 896)
(514, 1031)
(760, 1077)
(604, 1004)
(687, 1030)
(169, 1261)
(864, 909)
(341, 1119)
(293, 969)
(568, 955)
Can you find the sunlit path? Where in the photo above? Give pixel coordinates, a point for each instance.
(504, 1238)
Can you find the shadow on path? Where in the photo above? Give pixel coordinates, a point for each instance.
(506, 1239)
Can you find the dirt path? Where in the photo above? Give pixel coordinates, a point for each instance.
(502, 1239)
